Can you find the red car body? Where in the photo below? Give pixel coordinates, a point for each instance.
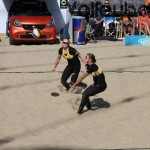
(22, 33)
(21, 23)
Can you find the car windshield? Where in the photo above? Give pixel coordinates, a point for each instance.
(30, 9)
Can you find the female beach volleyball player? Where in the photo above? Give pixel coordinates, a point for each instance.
(74, 65)
(98, 86)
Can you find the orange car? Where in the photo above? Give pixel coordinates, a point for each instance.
(24, 16)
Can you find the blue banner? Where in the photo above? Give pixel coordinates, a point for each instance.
(137, 40)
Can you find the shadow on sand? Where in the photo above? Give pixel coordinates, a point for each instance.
(99, 103)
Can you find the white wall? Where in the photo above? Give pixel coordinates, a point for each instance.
(61, 16)
(3, 17)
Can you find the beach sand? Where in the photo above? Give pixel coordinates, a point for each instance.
(32, 119)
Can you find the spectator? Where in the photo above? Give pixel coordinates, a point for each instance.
(98, 86)
(73, 67)
(147, 4)
(106, 8)
(97, 22)
(127, 23)
(143, 22)
(64, 34)
(148, 19)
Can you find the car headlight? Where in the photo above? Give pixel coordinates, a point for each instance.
(17, 23)
(50, 23)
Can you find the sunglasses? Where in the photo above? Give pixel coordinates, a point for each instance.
(65, 43)
(87, 57)
(106, 3)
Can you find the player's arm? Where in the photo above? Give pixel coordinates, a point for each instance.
(81, 57)
(56, 62)
(83, 76)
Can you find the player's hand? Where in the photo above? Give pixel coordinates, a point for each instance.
(72, 89)
(54, 69)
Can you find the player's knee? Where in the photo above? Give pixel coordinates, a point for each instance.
(84, 95)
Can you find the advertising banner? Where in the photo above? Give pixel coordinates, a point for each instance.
(137, 40)
(118, 7)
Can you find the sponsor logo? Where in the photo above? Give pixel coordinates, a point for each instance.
(63, 4)
(144, 41)
(118, 7)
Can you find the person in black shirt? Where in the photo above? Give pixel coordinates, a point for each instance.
(98, 86)
(106, 9)
(74, 65)
(98, 18)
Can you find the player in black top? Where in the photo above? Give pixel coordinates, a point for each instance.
(73, 67)
(98, 86)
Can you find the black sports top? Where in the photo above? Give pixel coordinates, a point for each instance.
(97, 73)
(71, 56)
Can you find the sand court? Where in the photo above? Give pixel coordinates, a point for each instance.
(32, 119)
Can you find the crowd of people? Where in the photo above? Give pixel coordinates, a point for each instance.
(130, 25)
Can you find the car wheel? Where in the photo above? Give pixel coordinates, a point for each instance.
(57, 41)
(11, 42)
(8, 29)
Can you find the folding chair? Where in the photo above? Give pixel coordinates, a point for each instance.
(142, 31)
(110, 26)
(143, 23)
(128, 32)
